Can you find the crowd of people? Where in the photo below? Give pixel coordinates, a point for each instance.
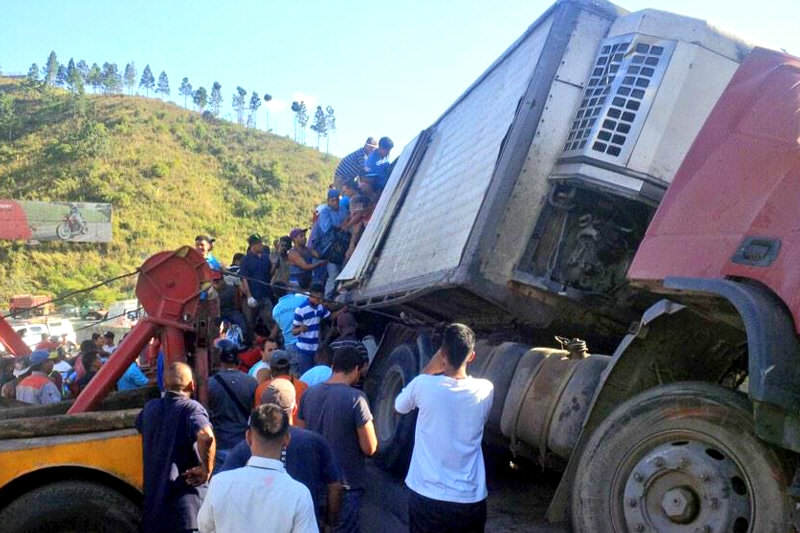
(282, 443)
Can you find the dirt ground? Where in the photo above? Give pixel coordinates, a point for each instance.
(518, 500)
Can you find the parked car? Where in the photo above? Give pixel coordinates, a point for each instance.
(59, 327)
(92, 311)
(68, 310)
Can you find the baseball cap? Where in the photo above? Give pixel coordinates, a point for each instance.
(297, 232)
(254, 238)
(228, 351)
(333, 193)
(279, 360)
(281, 392)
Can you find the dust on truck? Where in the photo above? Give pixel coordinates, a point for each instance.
(630, 179)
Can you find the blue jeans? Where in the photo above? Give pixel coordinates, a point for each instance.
(349, 512)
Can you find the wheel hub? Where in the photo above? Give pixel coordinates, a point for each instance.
(686, 487)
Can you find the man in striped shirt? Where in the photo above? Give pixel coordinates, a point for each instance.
(352, 165)
(306, 327)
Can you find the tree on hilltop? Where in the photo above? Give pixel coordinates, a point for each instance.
(163, 84)
(200, 98)
(320, 124)
(83, 69)
(330, 122)
(238, 104)
(255, 103)
(185, 90)
(147, 81)
(50, 69)
(267, 99)
(296, 111)
(61, 76)
(74, 78)
(32, 79)
(112, 80)
(302, 120)
(215, 101)
(95, 77)
(130, 76)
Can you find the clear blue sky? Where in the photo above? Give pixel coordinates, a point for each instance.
(388, 68)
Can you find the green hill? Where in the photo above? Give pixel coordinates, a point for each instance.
(169, 174)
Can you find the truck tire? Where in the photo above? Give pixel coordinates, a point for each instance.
(395, 431)
(680, 457)
(71, 506)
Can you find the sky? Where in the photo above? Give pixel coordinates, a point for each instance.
(387, 68)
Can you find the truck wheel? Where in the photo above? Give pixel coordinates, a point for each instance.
(680, 458)
(395, 431)
(71, 506)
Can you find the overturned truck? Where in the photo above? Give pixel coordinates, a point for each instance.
(629, 179)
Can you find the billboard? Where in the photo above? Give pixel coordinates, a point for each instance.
(55, 221)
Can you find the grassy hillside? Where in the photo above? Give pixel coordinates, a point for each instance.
(169, 173)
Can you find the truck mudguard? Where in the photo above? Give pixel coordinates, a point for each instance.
(772, 345)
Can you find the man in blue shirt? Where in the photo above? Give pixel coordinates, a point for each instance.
(178, 449)
(352, 165)
(283, 313)
(133, 378)
(309, 458)
(256, 272)
(331, 220)
(378, 162)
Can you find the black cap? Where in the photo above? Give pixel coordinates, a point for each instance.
(228, 351)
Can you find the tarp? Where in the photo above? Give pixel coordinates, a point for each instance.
(55, 221)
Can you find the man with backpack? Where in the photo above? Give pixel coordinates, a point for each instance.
(230, 397)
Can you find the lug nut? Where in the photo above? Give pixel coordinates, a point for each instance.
(683, 463)
(659, 462)
(637, 477)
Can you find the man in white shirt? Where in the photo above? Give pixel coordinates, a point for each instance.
(447, 476)
(260, 495)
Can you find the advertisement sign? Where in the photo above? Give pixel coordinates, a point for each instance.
(55, 221)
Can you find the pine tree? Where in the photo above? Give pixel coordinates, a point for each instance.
(50, 70)
(330, 122)
(238, 104)
(163, 84)
(130, 77)
(320, 124)
(200, 98)
(215, 101)
(32, 79)
(112, 80)
(267, 99)
(255, 103)
(185, 90)
(83, 69)
(302, 120)
(61, 76)
(95, 77)
(147, 81)
(296, 110)
(74, 79)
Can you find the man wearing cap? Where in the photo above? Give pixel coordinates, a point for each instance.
(306, 326)
(108, 343)
(230, 393)
(378, 162)
(280, 368)
(37, 387)
(204, 245)
(301, 259)
(256, 270)
(309, 458)
(332, 240)
(352, 165)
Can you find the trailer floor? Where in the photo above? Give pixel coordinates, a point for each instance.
(518, 500)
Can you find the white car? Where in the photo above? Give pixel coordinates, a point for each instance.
(32, 333)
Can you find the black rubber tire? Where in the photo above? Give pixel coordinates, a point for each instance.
(71, 507)
(395, 431)
(703, 412)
